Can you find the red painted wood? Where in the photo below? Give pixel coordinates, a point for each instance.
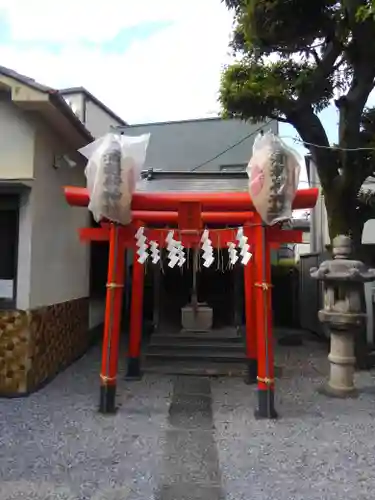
(269, 319)
(250, 320)
(305, 198)
(275, 235)
(190, 216)
(222, 218)
(111, 338)
(262, 306)
(219, 237)
(136, 311)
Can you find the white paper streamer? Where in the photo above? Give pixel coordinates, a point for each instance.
(243, 246)
(142, 245)
(181, 255)
(174, 250)
(155, 252)
(232, 253)
(208, 251)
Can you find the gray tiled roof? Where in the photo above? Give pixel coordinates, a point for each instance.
(219, 184)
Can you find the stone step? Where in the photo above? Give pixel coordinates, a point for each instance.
(194, 345)
(197, 354)
(183, 335)
(195, 367)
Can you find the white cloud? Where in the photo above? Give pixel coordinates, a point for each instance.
(84, 19)
(173, 74)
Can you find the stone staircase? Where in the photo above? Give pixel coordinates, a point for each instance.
(219, 352)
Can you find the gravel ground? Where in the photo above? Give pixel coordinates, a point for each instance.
(319, 449)
(189, 438)
(54, 444)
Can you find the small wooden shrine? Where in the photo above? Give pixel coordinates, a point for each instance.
(193, 214)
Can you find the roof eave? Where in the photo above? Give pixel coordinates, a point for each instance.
(31, 96)
(151, 174)
(95, 100)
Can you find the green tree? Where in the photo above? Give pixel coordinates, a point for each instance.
(294, 58)
(367, 10)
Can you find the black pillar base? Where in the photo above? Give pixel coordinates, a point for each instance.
(251, 371)
(134, 369)
(107, 403)
(266, 405)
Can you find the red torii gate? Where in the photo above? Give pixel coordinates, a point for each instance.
(190, 213)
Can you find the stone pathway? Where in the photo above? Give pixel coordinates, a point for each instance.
(191, 461)
(189, 438)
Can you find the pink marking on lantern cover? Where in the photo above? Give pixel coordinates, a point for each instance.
(256, 180)
(131, 180)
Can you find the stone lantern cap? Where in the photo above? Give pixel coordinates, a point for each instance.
(341, 267)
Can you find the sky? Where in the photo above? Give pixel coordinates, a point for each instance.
(147, 60)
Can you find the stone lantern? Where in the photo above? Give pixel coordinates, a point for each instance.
(342, 312)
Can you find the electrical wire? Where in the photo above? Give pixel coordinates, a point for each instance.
(254, 132)
(295, 139)
(337, 148)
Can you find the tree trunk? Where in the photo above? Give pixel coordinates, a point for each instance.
(343, 219)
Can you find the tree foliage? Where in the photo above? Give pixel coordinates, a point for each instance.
(294, 58)
(367, 10)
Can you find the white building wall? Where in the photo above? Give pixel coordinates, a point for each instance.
(17, 136)
(368, 234)
(53, 263)
(97, 121)
(368, 238)
(319, 221)
(77, 103)
(60, 262)
(25, 226)
(319, 236)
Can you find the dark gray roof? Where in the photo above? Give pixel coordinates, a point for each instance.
(56, 98)
(205, 145)
(196, 185)
(204, 182)
(301, 224)
(171, 122)
(89, 95)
